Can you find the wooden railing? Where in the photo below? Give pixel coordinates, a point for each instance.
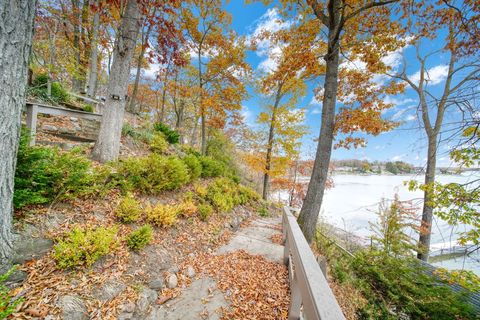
(33, 109)
(311, 297)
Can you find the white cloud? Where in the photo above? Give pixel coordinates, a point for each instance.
(246, 114)
(433, 75)
(411, 117)
(397, 101)
(316, 111)
(398, 114)
(270, 21)
(398, 157)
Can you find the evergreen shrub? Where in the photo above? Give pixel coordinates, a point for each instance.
(162, 215)
(129, 209)
(139, 238)
(172, 136)
(82, 247)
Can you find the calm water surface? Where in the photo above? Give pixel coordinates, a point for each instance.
(354, 201)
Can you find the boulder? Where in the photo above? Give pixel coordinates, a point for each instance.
(47, 127)
(172, 281)
(156, 284)
(145, 299)
(190, 272)
(109, 290)
(72, 308)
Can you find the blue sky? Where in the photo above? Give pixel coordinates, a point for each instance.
(407, 142)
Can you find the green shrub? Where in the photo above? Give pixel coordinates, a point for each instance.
(246, 194)
(205, 211)
(7, 304)
(128, 130)
(387, 276)
(194, 166)
(153, 173)
(82, 247)
(158, 143)
(43, 174)
(88, 108)
(221, 148)
(172, 136)
(402, 282)
(162, 215)
(189, 150)
(128, 210)
(263, 211)
(139, 238)
(40, 90)
(224, 194)
(187, 208)
(211, 167)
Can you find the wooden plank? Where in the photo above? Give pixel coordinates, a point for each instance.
(317, 297)
(58, 111)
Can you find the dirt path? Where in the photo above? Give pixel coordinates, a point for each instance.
(213, 294)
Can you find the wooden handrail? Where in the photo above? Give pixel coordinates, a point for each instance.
(33, 109)
(308, 286)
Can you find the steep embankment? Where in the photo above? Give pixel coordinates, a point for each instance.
(106, 241)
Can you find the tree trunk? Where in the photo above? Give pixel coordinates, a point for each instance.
(427, 213)
(313, 200)
(132, 107)
(193, 141)
(180, 113)
(107, 146)
(268, 158)
(76, 82)
(432, 136)
(292, 192)
(16, 31)
(93, 74)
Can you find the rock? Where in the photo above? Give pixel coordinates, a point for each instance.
(190, 272)
(109, 290)
(146, 298)
(73, 119)
(235, 223)
(28, 247)
(172, 281)
(17, 276)
(173, 269)
(47, 127)
(72, 308)
(128, 307)
(66, 130)
(125, 316)
(154, 314)
(156, 284)
(67, 146)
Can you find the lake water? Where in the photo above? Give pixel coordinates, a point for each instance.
(354, 201)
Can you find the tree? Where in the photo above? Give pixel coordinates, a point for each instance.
(458, 203)
(145, 38)
(93, 73)
(220, 62)
(347, 25)
(107, 146)
(16, 30)
(459, 22)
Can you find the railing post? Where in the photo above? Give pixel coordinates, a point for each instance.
(296, 300)
(32, 112)
(286, 251)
